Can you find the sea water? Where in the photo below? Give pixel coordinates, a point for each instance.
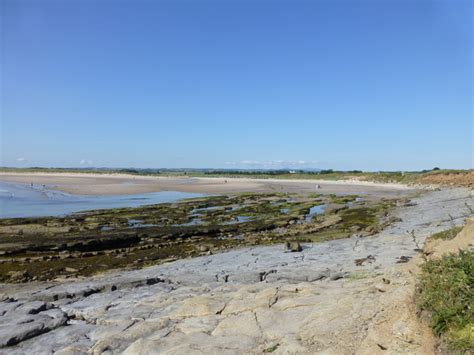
(25, 200)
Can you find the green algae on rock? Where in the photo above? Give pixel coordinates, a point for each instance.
(86, 243)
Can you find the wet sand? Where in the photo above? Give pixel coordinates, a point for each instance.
(116, 184)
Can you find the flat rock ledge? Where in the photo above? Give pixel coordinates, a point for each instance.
(337, 297)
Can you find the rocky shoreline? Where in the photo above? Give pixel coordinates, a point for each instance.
(82, 244)
(252, 300)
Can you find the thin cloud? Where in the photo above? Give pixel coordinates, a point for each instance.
(86, 162)
(21, 160)
(275, 164)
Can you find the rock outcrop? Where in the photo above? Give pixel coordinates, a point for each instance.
(249, 300)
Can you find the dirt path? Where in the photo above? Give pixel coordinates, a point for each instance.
(251, 300)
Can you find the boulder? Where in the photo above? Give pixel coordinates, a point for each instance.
(293, 247)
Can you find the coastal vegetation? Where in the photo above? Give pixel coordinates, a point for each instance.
(447, 293)
(447, 234)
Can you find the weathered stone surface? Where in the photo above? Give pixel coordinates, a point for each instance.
(243, 301)
(199, 306)
(28, 321)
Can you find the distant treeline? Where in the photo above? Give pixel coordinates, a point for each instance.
(327, 173)
(83, 170)
(277, 172)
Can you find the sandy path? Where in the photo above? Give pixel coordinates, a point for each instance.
(114, 184)
(244, 301)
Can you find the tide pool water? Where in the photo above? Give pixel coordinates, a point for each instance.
(315, 211)
(22, 200)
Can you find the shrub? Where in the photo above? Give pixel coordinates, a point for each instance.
(447, 293)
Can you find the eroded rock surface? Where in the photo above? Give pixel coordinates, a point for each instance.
(249, 300)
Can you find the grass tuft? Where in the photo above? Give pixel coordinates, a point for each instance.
(271, 348)
(358, 275)
(447, 234)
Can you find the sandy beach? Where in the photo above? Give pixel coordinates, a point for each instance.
(234, 178)
(117, 184)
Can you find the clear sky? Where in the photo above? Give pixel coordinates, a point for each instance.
(373, 85)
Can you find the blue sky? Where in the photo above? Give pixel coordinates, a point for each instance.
(373, 85)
